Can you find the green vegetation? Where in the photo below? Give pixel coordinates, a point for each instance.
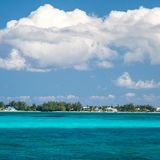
(2, 105)
(45, 107)
(63, 106)
(136, 108)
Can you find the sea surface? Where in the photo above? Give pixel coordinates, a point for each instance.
(78, 136)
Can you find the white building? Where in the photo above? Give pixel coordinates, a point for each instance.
(10, 109)
(110, 109)
(158, 109)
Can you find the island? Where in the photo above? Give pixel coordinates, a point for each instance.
(53, 106)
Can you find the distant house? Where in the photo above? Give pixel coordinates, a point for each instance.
(10, 109)
(97, 109)
(110, 109)
(158, 109)
(86, 108)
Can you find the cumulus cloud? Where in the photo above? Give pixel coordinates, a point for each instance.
(14, 61)
(126, 81)
(50, 38)
(137, 34)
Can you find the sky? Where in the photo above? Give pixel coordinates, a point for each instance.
(99, 53)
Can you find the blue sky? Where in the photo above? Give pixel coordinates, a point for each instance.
(115, 62)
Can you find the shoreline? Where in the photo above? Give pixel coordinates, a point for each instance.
(69, 112)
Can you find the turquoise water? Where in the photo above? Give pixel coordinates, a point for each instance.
(89, 136)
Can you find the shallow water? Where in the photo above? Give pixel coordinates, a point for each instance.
(67, 136)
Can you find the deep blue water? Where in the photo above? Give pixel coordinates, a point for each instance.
(88, 136)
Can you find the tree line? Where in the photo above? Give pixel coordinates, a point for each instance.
(63, 106)
(46, 107)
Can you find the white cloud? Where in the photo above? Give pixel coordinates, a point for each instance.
(151, 98)
(13, 61)
(45, 98)
(68, 97)
(105, 64)
(137, 32)
(23, 98)
(56, 98)
(109, 97)
(126, 81)
(17, 98)
(130, 95)
(50, 38)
